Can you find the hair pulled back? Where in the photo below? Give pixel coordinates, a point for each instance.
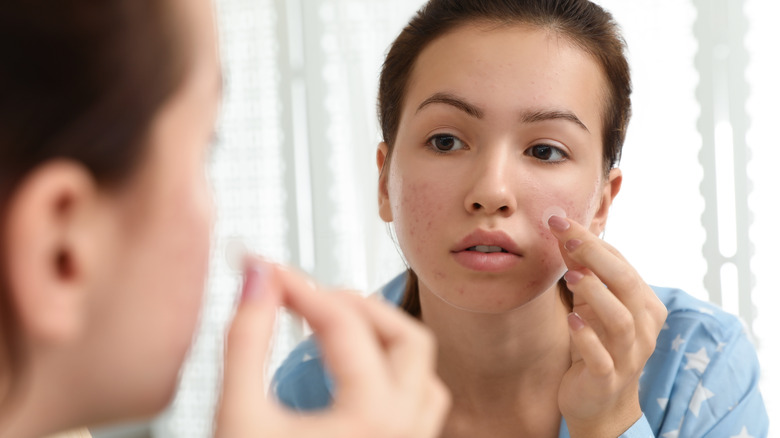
(80, 80)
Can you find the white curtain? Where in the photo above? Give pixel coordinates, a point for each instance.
(294, 175)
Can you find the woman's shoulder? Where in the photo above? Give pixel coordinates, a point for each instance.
(696, 336)
(690, 315)
(703, 374)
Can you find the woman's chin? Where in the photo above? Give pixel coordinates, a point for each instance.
(487, 303)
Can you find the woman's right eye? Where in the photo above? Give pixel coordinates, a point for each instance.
(445, 143)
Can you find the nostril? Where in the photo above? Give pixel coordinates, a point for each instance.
(476, 206)
(504, 209)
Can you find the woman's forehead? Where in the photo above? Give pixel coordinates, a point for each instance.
(509, 68)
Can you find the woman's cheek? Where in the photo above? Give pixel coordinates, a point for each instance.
(580, 205)
(418, 212)
(577, 210)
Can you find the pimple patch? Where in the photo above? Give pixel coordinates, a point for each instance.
(552, 211)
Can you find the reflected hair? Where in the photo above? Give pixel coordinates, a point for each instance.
(80, 80)
(582, 23)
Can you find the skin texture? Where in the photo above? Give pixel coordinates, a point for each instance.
(512, 357)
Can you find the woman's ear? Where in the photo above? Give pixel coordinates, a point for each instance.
(385, 211)
(608, 193)
(52, 233)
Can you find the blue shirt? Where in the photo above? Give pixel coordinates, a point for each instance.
(701, 380)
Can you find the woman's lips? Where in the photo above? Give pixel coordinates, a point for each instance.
(478, 251)
(486, 262)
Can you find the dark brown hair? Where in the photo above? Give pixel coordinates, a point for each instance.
(583, 23)
(79, 80)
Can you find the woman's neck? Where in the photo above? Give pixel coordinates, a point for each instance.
(42, 400)
(17, 409)
(508, 365)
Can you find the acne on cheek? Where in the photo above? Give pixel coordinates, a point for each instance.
(580, 212)
(557, 206)
(415, 213)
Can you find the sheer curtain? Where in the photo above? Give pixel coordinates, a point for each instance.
(294, 175)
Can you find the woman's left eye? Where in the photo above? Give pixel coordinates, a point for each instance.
(544, 152)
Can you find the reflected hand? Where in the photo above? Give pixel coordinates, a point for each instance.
(614, 326)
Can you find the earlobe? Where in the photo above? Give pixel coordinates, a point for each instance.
(608, 192)
(49, 240)
(382, 164)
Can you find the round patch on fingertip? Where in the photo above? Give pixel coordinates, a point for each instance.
(552, 211)
(235, 251)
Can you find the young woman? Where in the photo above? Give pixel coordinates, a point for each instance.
(105, 216)
(503, 121)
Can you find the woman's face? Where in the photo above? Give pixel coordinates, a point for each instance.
(500, 127)
(152, 297)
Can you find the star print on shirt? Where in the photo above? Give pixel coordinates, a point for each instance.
(699, 396)
(742, 434)
(677, 342)
(674, 433)
(697, 361)
(676, 402)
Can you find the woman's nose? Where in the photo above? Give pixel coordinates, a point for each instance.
(491, 190)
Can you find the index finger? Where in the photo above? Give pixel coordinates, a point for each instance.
(581, 248)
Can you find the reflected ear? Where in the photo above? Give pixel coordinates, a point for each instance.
(385, 211)
(50, 241)
(608, 193)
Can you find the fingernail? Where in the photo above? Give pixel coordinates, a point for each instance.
(552, 211)
(572, 244)
(573, 277)
(558, 223)
(575, 322)
(254, 276)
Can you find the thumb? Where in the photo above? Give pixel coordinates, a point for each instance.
(247, 345)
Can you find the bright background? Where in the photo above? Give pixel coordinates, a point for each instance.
(295, 176)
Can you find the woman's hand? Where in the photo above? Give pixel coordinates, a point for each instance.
(382, 361)
(614, 326)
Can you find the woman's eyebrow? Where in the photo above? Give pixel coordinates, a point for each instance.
(543, 115)
(453, 100)
(530, 116)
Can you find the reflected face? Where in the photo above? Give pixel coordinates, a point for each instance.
(499, 126)
(154, 295)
